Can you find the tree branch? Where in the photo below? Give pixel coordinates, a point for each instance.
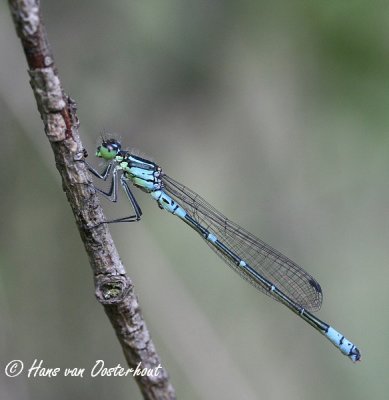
(114, 288)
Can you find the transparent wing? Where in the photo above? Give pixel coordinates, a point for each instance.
(290, 278)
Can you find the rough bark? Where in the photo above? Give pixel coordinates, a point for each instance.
(114, 289)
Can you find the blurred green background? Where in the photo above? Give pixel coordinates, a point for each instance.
(275, 112)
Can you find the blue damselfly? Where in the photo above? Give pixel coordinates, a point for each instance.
(265, 268)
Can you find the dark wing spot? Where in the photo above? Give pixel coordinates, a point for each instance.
(315, 284)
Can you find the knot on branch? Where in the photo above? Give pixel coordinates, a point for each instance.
(112, 289)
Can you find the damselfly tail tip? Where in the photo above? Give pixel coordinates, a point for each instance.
(355, 355)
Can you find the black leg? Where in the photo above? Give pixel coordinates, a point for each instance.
(134, 203)
(104, 174)
(112, 194)
(130, 218)
(131, 197)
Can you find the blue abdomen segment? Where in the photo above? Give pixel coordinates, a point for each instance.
(167, 203)
(344, 345)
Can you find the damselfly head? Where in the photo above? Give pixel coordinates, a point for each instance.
(109, 149)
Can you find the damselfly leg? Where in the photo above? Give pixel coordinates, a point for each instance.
(104, 174)
(112, 194)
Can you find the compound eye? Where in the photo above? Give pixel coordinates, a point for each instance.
(115, 145)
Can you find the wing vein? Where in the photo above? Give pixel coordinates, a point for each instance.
(289, 277)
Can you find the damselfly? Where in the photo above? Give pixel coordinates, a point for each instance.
(265, 268)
